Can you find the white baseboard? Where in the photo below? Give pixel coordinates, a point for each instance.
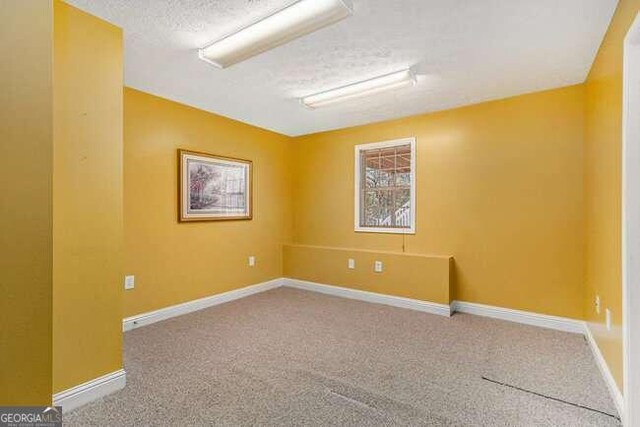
(518, 316)
(195, 305)
(91, 390)
(412, 304)
(615, 392)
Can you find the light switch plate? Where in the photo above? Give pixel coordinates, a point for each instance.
(377, 266)
(351, 264)
(129, 282)
(252, 261)
(597, 304)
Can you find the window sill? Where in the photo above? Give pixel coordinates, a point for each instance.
(385, 230)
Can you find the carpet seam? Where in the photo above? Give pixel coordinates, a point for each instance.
(577, 405)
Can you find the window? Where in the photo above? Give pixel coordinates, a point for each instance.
(385, 187)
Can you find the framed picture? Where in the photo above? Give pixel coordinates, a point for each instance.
(214, 188)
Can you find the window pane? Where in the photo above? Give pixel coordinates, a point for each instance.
(403, 178)
(385, 187)
(402, 210)
(379, 170)
(376, 178)
(378, 208)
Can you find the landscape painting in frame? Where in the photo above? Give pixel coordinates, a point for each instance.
(214, 188)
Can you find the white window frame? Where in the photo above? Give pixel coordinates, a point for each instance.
(385, 144)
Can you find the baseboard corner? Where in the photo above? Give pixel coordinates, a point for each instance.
(89, 391)
(612, 386)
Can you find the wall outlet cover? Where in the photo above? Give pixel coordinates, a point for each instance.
(129, 282)
(252, 261)
(377, 266)
(351, 264)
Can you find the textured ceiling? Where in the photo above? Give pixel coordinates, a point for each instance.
(464, 51)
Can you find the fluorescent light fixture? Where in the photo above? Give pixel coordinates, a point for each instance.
(368, 87)
(293, 21)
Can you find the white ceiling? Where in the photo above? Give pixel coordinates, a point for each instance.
(465, 52)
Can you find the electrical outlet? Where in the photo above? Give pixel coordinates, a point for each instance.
(252, 261)
(351, 264)
(377, 266)
(608, 319)
(597, 304)
(129, 282)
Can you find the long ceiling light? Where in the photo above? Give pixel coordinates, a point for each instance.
(364, 88)
(289, 23)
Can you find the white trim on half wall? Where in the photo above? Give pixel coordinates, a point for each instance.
(401, 302)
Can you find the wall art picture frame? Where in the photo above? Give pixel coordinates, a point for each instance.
(214, 188)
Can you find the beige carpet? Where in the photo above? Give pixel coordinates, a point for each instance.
(535, 362)
(290, 358)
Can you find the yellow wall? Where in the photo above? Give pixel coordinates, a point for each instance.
(177, 262)
(507, 188)
(87, 202)
(26, 129)
(499, 188)
(603, 187)
(420, 277)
